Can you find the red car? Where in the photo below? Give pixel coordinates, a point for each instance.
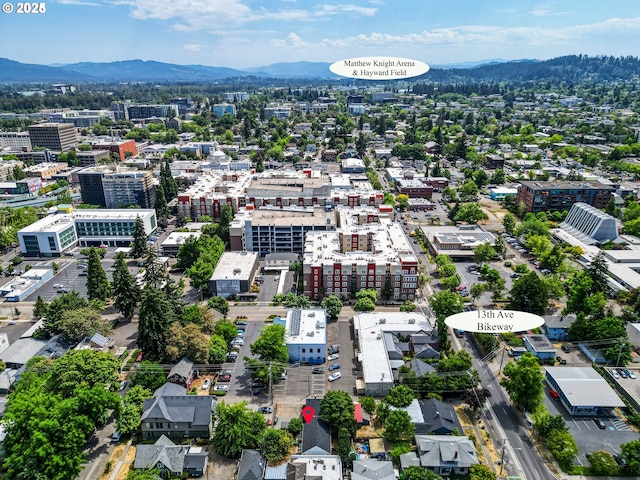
(139, 357)
(555, 395)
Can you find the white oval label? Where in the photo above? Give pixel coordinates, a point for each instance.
(379, 68)
(494, 321)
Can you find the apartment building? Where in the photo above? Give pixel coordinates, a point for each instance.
(277, 230)
(219, 109)
(45, 170)
(60, 137)
(559, 196)
(121, 147)
(15, 140)
(117, 188)
(367, 250)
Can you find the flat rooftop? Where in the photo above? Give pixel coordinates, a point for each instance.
(307, 325)
(370, 327)
(584, 387)
(235, 265)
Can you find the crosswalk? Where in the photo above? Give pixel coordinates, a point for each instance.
(620, 425)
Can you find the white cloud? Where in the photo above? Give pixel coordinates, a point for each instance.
(545, 12)
(191, 15)
(192, 47)
(292, 40)
(475, 35)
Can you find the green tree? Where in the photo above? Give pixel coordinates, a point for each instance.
(631, 453)
(337, 409)
(364, 305)
(481, 472)
(400, 396)
(187, 341)
(217, 349)
(332, 305)
(139, 245)
(398, 426)
(415, 472)
(599, 274)
(162, 210)
(40, 308)
(200, 273)
(237, 428)
(444, 304)
(509, 223)
(57, 308)
(602, 463)
(220, 304)
(188, 253)
(226, 217)
(82, 323)
(270, 345)
(128, 421)
(126, 291)
(523, 382)
(295, 426)
(468, 191)
(148, 474)
(483, 253)
(470, 213)
(275, 444)
(98, 287)
(368, 404)
(156, 316)
(225, 329)
(529, 294)
(148, 375)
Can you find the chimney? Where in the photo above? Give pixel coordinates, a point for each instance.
(437, 414)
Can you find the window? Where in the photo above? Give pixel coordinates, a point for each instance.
(318, 351)
(304, 350)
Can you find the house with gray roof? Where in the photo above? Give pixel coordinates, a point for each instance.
(177, 416)
(443, 455)
(556, 327)
(439, 418)
(372, 469)
(316, 434)
(251, 466)
(171, 459)
(182, 373)
(421, 368)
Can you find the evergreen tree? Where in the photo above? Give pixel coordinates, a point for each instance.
(155, 319)
(40, 308)
(126, 291)
(226, 216)
(139, 245)
(162, 210)
(154, 273)
(170, 185)
(98, 287)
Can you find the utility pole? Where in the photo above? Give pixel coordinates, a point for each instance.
(270, 386)
(504, 447)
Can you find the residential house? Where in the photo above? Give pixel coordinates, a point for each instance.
(173, 413)
(362, 417)
(424, 345)
(443, 455)
(316, 434)
(171, 459)
(251, 466)
(182, 373)
(556, 327)
(540, 346)
(372, 469)
(419, 367)
(439, 418)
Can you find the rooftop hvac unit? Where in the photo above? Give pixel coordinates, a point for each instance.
(412, 320)
(383, 320)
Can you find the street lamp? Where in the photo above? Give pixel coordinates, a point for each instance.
(504, 447)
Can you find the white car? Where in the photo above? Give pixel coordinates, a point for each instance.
(238, 341)
(334, 376)
(206, 384)
(333, 357)
(224, 388)
(58, 285)
(614, 373)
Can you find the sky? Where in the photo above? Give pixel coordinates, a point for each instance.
(251, 33)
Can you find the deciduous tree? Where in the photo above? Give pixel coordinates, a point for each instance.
(332, 305)
(82, 323)
(398, 426)
(187, 341)
(523, 381)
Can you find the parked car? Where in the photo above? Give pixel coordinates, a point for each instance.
(622, 373)
(561, 360)
(318, 370)
(256, 391)
(334, 376)
(257, 384)
(599, 423)
(334, 366)
(206, 384)
(515, 275)
(240, 322)
(333, 357)
(123, 385)
(630, 374)
(555, 395)
(116, 436)
(265, 410)
(566, 348)
(58, 285)
(614, 373)
(224, 378)
(335, 348)
(221, 388)
(238, 341)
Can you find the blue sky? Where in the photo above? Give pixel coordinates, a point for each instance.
(251, 33)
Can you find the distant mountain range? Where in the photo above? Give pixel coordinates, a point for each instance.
(574, 68)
